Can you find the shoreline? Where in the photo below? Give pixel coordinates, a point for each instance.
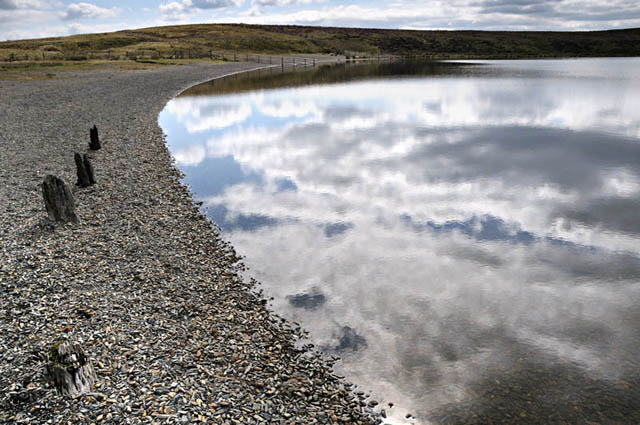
(144, 283)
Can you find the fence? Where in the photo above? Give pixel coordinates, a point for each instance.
(151, 55)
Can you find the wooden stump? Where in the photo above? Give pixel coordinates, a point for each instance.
(70, 369)
(81, 171)
(94, 143)
(58, 200)
(84, 170)
(89, 168)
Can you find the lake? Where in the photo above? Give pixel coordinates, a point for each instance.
(464, 236)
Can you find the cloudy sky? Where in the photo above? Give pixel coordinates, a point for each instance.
(40, 18)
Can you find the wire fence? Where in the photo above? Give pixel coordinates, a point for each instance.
(182, 54)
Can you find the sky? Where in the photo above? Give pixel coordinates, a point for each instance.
(21, 19)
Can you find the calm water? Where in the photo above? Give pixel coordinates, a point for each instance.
(465, 237)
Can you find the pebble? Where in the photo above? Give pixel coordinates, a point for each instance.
(144, 283)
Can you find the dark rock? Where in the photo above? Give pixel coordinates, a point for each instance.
(309, 301)
(350, 340)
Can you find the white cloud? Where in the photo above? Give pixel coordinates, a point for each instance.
(204, 114)
(214, 4)
(181, 10)
(173, 11)
(457, 14)
(89, 11)
(279, 3)
(192, 155)
(434, 103)
(350, 14)
(22, 24)
(23, 4)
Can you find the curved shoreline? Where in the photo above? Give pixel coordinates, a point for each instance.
(144, 283)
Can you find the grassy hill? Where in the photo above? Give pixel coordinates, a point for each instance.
(193, 41)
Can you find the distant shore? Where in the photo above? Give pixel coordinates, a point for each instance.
(158, 46)
(144, 283)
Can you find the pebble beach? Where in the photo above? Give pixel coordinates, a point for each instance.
(144, 283)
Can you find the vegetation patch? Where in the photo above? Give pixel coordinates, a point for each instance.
(230, 42)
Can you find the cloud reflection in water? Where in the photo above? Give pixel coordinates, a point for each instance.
(454, 228)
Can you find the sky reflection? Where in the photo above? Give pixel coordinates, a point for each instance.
(447, 231)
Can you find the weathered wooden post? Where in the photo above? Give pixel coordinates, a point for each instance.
(84, 170)
(81, 172)
(94, 143)
(89, 168)
(58, 200)
(70, 369)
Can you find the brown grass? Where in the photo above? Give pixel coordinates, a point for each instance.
(177, 44)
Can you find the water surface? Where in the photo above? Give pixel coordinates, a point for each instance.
(465, 236)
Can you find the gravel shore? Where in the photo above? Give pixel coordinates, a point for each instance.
(144, 283)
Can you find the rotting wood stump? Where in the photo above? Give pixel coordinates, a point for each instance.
(70, 369)
(84, 170)
(94, 142)
(89, 167)
(58, 200)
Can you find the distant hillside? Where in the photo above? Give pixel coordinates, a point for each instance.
(203, 40)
